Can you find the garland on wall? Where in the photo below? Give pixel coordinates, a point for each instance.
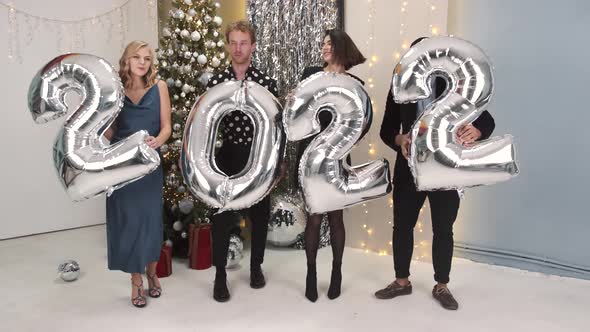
(71, 35)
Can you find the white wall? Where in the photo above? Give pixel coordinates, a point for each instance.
(31, 197)
(418, 19)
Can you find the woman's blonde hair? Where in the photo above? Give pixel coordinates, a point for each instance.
(124, 70)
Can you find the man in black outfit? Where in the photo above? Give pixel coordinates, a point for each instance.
(233, 156)
(444, 204)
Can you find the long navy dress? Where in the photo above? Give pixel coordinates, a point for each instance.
(134, 212)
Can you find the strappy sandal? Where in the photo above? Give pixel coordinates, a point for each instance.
(138, 301)
(154, 291)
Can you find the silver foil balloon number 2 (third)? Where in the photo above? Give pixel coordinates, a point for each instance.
(437, 160)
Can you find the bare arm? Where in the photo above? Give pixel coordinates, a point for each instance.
(165, 114)
(110, 132)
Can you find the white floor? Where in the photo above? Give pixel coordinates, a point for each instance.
(491, 298)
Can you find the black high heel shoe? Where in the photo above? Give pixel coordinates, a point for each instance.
(311, 284)
(335, 282)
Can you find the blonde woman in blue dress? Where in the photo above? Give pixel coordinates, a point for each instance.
(134, 212)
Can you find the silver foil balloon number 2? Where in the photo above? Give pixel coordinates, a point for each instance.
(328, 183)
(437, 160)
(87, 167)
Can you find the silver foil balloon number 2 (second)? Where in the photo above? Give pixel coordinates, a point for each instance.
(328, 183)
(437, 160)
(87, 167)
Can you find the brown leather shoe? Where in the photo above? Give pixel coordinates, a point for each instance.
(445, 298)
(392, 290)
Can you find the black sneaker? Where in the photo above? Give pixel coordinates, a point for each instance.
(445, 298)
(257, 278)
(220, 290)
(392, 290)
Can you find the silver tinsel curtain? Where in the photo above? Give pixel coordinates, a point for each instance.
(288, 36)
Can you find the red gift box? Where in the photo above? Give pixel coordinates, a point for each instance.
(164, 267)
(199, 247)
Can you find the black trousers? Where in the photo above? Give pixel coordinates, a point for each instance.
(231, 159)
(444, 206)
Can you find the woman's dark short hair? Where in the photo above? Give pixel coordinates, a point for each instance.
(344, 50)
(417, 41)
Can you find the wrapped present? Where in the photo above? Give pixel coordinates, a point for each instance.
(199, 248)
(164, 267)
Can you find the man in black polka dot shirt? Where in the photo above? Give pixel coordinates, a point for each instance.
(232, 157)
(237, 127)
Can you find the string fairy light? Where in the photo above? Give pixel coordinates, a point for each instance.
(373, 59)
(432, 28)
(409, 29)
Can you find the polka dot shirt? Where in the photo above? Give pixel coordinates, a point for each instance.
(236, 127)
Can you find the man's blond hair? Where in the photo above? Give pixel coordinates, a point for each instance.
(242, 26)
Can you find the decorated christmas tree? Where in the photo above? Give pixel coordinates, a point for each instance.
(191, 48)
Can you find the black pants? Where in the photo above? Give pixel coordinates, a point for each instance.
(444, 206)
(231, 159)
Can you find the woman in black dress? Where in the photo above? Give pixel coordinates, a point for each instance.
(339, 54)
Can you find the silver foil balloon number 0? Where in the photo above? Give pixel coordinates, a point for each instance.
(85, 166)
(437, 159)
(327, 182)
(199, 169)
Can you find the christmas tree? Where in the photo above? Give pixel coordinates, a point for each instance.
(191, 48)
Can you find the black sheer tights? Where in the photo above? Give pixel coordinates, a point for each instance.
(312, 239)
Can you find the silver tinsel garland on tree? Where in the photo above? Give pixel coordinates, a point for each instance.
(288, 38)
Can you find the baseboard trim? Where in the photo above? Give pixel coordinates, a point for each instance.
(465, 250)
(55, 231)
(522, 261)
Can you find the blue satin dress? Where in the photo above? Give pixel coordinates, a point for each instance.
(134, 212)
